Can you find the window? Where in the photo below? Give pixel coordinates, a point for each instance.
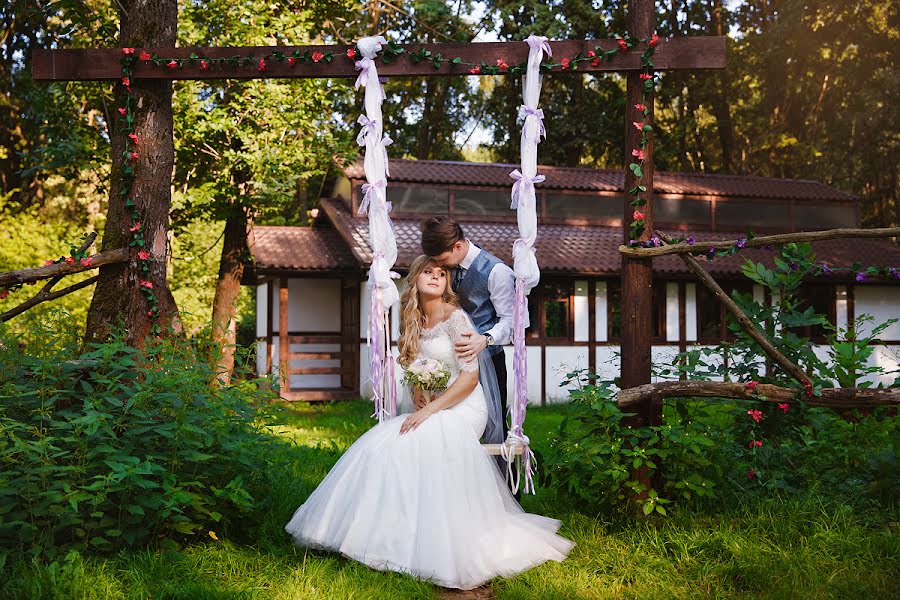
(557, 299)
(614, 309)
(681, 210)
(592, 206)
(711, 313)
(823, 216)
(417, 200)
(481, 202)
(749, 213)
(822, 300)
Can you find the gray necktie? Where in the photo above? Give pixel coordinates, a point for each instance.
(457, 279)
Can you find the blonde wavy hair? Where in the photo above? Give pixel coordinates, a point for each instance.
(412, 319)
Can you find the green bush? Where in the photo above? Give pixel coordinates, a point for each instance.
(119, 447)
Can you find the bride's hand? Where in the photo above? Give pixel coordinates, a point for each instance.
(415, 419)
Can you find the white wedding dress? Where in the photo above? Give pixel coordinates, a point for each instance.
(431, 502)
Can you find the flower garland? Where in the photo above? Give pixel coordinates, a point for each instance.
(131, 155)
(83, 257)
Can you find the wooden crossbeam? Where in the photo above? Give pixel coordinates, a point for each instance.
(95, 64)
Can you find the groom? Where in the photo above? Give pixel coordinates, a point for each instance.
(486, 288)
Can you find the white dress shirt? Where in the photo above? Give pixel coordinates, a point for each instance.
(502, 290)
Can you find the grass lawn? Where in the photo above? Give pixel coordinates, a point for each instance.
(795, 548)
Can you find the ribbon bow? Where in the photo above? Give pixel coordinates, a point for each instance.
(523, 182)
(367, 126)
(368, 189)
(508, 452)
(539, 42)
(363, 67)
(538, 113)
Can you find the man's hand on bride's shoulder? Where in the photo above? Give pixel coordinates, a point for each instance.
(471, 344)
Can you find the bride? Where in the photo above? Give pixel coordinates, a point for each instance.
(417, 494)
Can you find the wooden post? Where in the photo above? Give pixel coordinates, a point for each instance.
(284, 343)
(637, 274)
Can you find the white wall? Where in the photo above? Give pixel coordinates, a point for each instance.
(562, 360)
(883, 303)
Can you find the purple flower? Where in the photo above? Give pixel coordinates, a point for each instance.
(742, 242)
(690, 240)
(712, 249)
(656, 241)
(861, 276)
(794, 266)
(826, 270)
(894, 273)
(631, 242)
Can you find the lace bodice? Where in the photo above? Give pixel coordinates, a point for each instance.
(437, 343)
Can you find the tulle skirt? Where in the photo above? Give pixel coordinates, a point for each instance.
(430, 503)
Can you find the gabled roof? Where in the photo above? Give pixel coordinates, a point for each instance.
(299, 249)
(445, 172)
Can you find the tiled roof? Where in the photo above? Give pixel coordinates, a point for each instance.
(598, 180)
(589, 250)
(300, 248)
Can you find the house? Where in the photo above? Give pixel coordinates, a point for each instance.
(311, 280)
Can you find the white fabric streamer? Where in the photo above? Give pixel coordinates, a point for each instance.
(381, 233)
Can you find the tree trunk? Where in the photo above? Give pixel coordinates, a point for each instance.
(117, 297)
(231, 270)
(721, 108)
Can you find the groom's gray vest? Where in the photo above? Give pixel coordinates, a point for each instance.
(475, 298)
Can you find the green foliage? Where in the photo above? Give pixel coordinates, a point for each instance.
(118, 447)
(604, 462)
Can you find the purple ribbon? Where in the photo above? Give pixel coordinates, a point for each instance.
(539, 41)
(376, 352)
(368, 126)
(368, 189)
(516, 436)
(363, 67)
(538, 113)
(522, 183)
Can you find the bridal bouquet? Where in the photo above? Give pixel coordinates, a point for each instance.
(427, 374)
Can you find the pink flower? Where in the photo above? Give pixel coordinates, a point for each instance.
(637, 215)
(751, 474)
(750, 386)
(292, 61)
(784, 406)
(135, 227)
(565, 63)
(756, 415)
(143, 255)
(317, 56)
(475, 70)
(639, 154)
(646, 76)
(653, 41)
(501, 64)
(172, 64)
(3, 293)
(204, 66)
(134, 156)
(127, 51)
(146, 284)
(638, 125)
(144, 56)
(133, 137)
(86, 262)
(641, 107)
(351, 53)
(595, 62)
(261, 67)
(48, 262)
(623, 45)
(123, 111)
(126, 81)
(70, 260)
(591, 54)
(755, 444)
